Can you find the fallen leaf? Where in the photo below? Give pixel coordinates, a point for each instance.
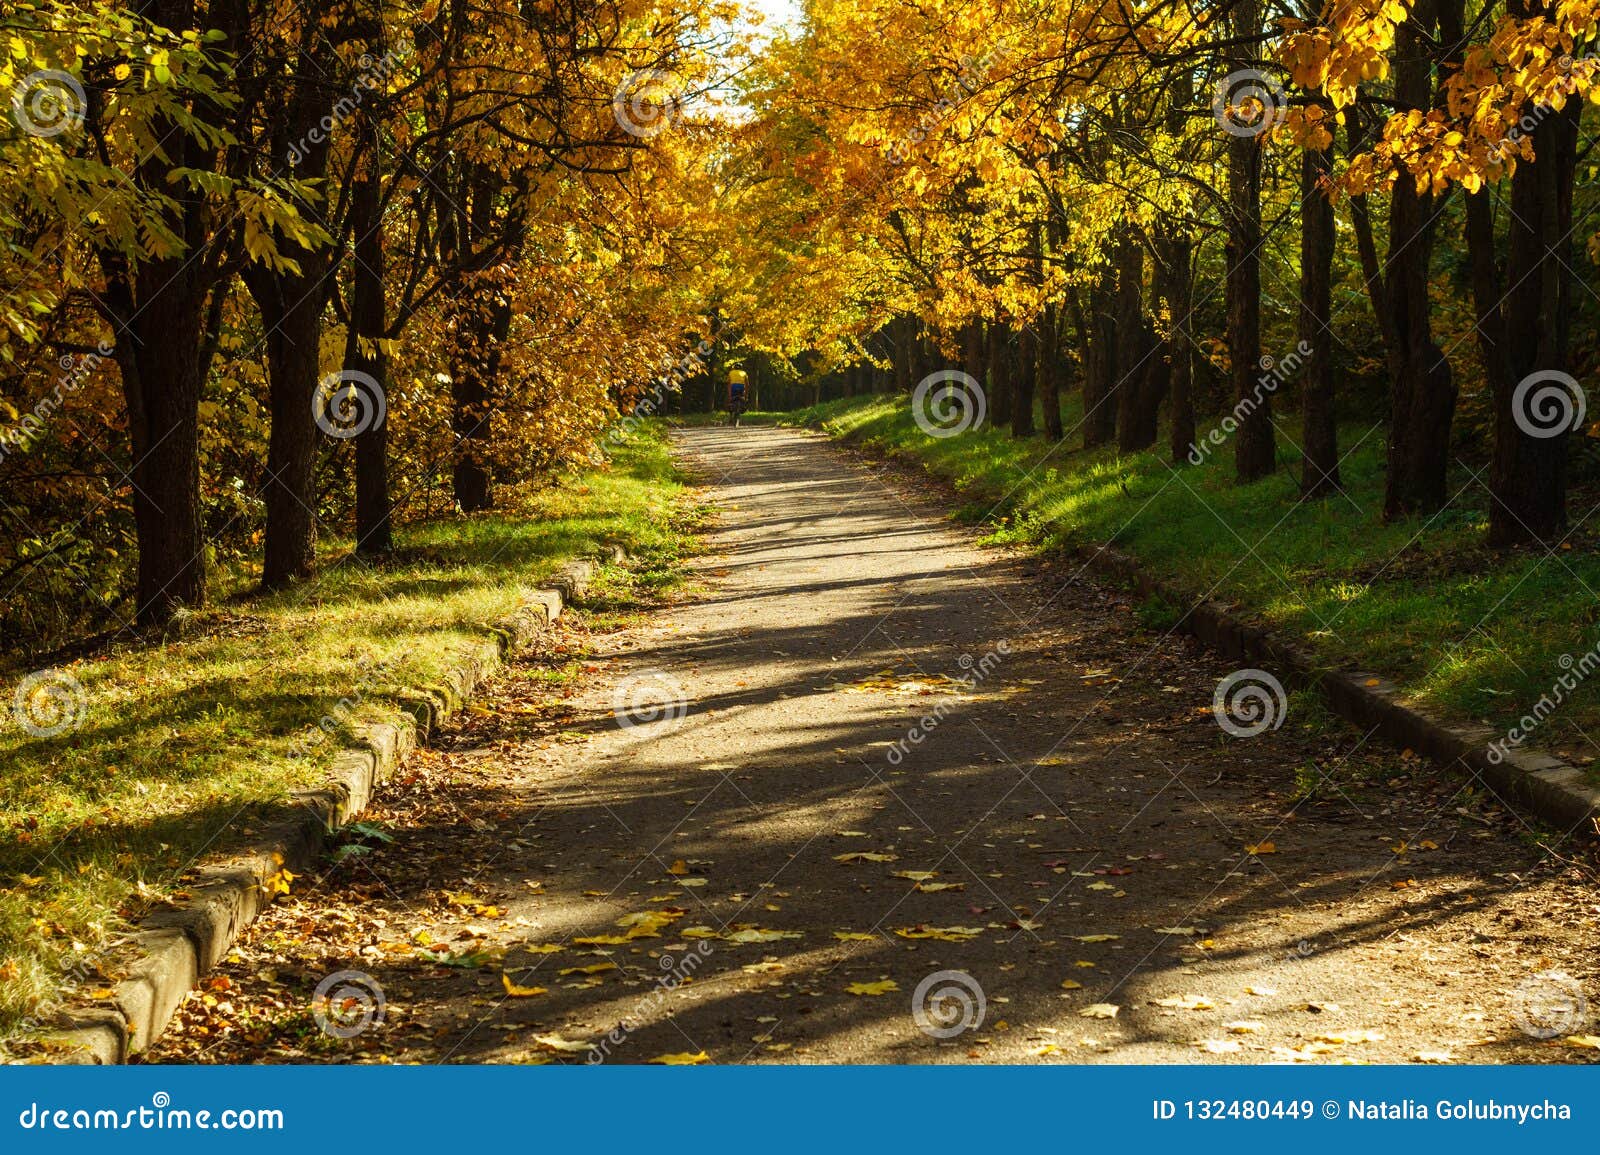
(557, 1043)
(1100, 1011)
(914, 875)
(757, 934)
(681, 1059)
(1262, 848)
(1071, 985)
(878, 988)
(1242, 1027)
(592, 969)
(516, 992)
(1186, 1002)
(1433, 1057)
(1220, 1046)
(1583, 1042)
(1095, 937)
(678, 868)
(854, 936)
(865, 856)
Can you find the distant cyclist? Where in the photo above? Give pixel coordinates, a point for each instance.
(736, 394)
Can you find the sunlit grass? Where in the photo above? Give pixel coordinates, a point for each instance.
(185, 745)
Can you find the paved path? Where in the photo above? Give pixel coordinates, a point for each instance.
(1049, 820)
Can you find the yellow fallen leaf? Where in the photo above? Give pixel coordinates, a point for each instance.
(1583, 1042)
(1219, 1046)
(601, 940)
(517, 992)
(878, 988)
(1260, 990)
(557, 1043)
(1358, 1035)
(1262, 848)
(1087, 963)
(936, 887)
(593, 969)
(865, 856)
(1100, 1011)
(914, 875)
(1047, 1049)
(941, 933)
(681, 1059)
(1434, 1057)
(1100, 886)
(1071, 985)
(1242, 1027)
(678, 868)
(854, 936)
(1095, 937)
(1176, 929)
(1186, 1002)
(540, 947)
(757, 934)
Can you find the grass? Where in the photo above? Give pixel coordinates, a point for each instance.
(185, 744)
(1477, 635)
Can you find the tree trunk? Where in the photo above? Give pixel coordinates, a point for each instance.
(1135, 431)
(1177, 289)
(1422, 393)
(1319, 427)
(159, 313)
(1254, 452)
(1050, 372)
(374, 509)
(1027, 362)
(1535, 396)
(1100, 372)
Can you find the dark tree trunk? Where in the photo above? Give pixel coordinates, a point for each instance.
(1320, 432)
(291, 311)
(472, 391)
(903, 354)
(1135, 427)
(1254, 452)
(159, 314)
(1177, 290)
(1027, 362)
(1100, 373)
(374, 509)
(1002, 375)
(1535, 402)
(1050, 372)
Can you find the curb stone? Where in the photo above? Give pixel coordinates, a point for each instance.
(167, 954)
(1538, 782)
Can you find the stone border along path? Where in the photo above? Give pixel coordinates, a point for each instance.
(1536, 781)
(170, 951)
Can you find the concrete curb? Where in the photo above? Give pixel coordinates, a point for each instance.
(1540, 783)
(169, 951)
